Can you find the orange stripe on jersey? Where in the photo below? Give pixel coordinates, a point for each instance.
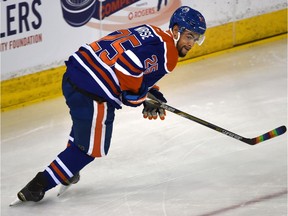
(98, 131)
(139, 101)
(99, 70)
(129, 83)
(59, 173)
(172, 53)
(129, 65)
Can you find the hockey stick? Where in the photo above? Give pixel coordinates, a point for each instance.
(251, 141)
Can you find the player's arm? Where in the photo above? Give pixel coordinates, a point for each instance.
(129, 71)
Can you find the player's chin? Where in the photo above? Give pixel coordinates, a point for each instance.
(182, 53)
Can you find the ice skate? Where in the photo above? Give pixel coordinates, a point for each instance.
(33, 191)
(64, 188)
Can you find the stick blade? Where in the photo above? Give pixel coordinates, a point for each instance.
(269, 135)
(281, 129)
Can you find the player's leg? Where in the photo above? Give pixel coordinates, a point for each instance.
(90, 137)
(97, 142)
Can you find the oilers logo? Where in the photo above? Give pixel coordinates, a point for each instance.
(185, 9)
(78, 12)
(144, 32)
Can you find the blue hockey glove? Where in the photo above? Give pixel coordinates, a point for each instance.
(151, 111)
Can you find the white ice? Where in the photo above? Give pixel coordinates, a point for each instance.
(174, 167)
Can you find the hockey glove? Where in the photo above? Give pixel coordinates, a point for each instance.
(134, 100)
(151, 111)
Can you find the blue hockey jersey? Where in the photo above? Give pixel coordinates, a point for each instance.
(123, 60)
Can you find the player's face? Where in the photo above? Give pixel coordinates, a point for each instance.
(186, 42)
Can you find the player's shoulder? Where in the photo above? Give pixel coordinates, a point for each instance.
(171, 52)
(165, 36)
(162, 42)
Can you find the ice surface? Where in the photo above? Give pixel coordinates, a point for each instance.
(174, 167)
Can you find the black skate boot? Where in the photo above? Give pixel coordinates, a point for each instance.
(65, 186)
(34, 190)
(73, 180)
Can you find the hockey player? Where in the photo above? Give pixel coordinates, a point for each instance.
(120, 68)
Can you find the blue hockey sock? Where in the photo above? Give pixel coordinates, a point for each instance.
(66, 165)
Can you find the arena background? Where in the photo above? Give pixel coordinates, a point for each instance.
(37, 36)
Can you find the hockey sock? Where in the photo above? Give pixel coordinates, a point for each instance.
(66, 165)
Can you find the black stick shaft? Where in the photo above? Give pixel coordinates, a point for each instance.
(273, 133)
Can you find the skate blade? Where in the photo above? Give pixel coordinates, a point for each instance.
(62, 190)
(17, 201)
